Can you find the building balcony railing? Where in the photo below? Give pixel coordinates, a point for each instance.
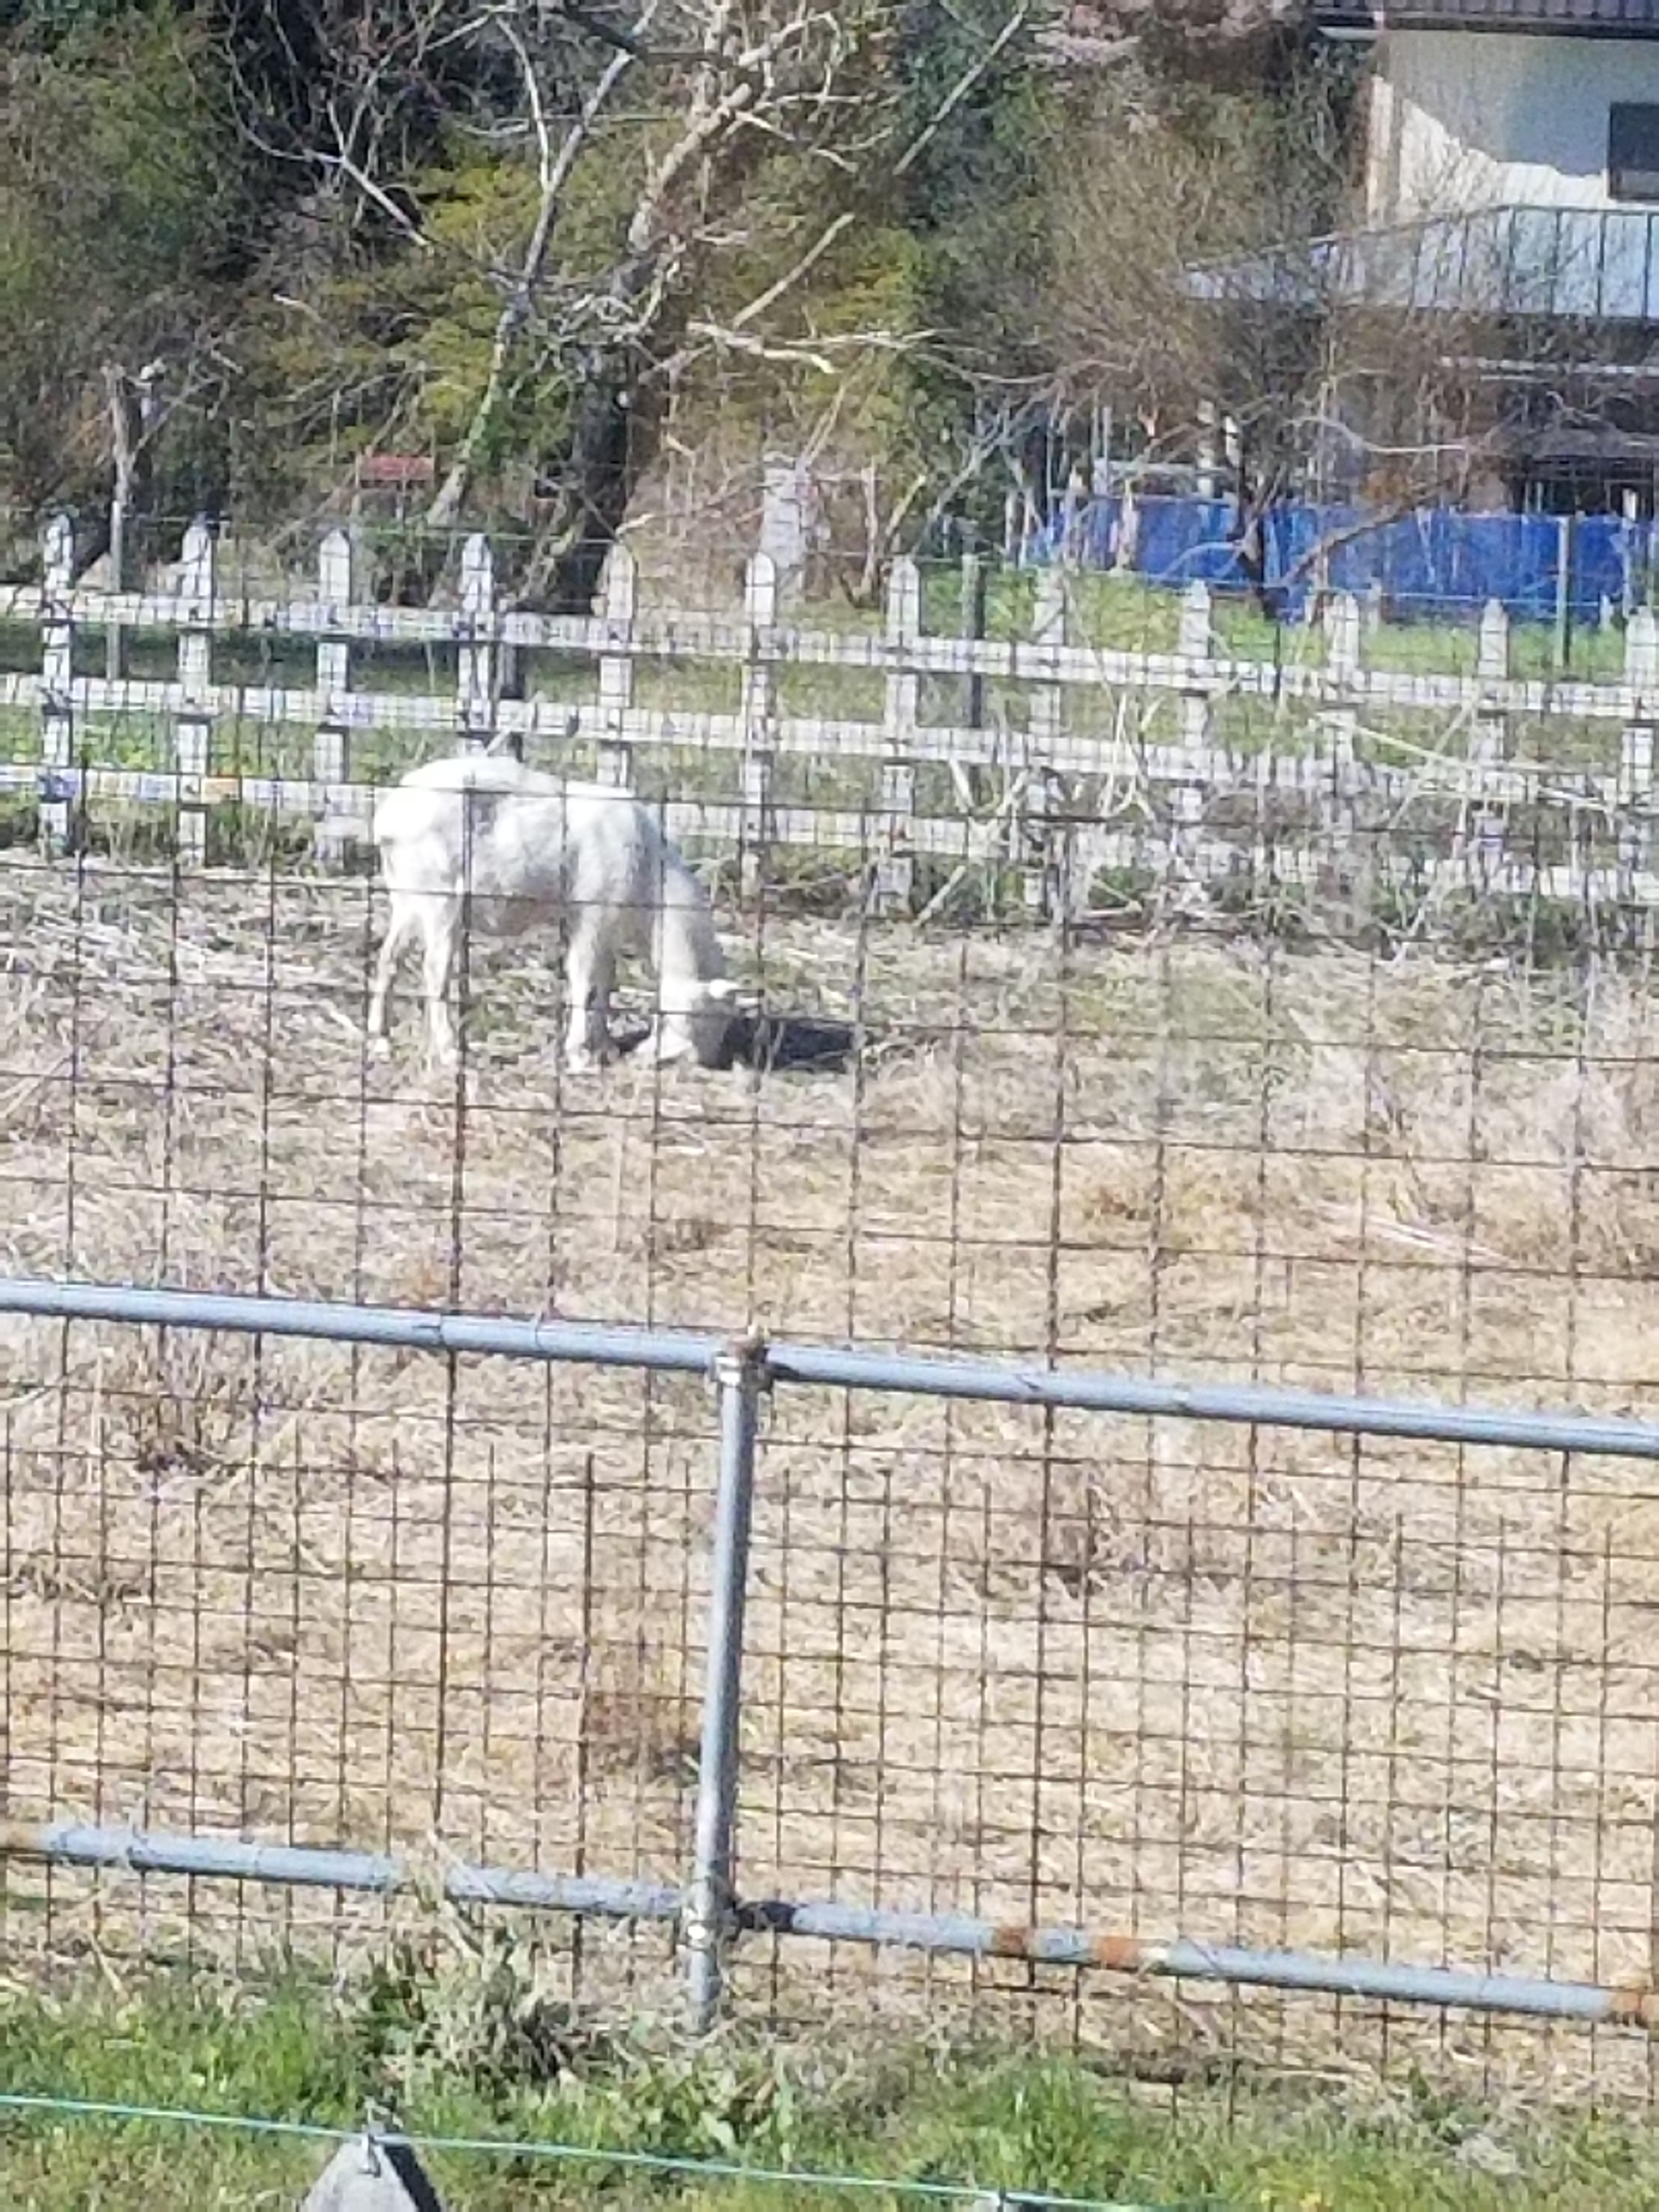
(1578, 19)
(1595, 264)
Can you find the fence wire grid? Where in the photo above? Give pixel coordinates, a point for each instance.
(1156, 1676)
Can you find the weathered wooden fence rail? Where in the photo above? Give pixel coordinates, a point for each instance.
(1337, 736)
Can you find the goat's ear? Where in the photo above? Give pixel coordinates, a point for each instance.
(720, 988)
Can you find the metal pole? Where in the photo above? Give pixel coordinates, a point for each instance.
(838, 1367)
(1565, 546)
(304, 1866)
(975, 607)
(1630, 2004)
(413, 1328)
(739, 1375)
(993, 1381)
(835, 1365)
(227, 1857)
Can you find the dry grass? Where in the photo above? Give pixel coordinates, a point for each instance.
(1393, 1698)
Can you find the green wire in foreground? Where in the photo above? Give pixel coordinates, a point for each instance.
(505, 2147)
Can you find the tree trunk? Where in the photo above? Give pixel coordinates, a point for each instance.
(613, 437)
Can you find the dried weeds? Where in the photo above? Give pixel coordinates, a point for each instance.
(1277, 1689)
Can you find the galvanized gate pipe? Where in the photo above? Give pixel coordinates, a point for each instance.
(66, 1843)
(709, 1923)
(845, 1367)
(710, 1917)
(311, 1865)
(403, 1329)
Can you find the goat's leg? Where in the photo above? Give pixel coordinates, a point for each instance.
(670, 1039)
(590, 971)
(400, 923)
(678, 997)
(440, 928)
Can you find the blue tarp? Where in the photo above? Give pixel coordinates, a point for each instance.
(1437, 561)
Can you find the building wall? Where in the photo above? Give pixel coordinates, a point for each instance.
(1463, 120)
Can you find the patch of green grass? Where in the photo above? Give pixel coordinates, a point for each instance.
(466, 2039)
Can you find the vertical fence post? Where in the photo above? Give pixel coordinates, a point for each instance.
(1492, 665)
(971, 779)
(475, 673)
(896, 871)
(739, 1378)
(192, 730)
(758, 711)
(1046, 721)
(56, 684)
(1192, 643)
(1566, 548)
(1635, 747)
(115, 638)
(975, 611)
(337, 585)
(1342, 635)
(1478, 847)
(622, 593)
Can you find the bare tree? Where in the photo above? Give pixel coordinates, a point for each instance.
(698, 167)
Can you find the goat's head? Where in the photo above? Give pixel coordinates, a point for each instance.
(699, 1026)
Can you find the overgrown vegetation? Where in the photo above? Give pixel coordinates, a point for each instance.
(532, 245)
(461, 2040)
(542, 254)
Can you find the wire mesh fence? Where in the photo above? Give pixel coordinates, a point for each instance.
(1331, 1075)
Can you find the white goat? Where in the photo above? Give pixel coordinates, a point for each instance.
(485, 835)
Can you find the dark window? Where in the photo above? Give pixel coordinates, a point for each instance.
(1633, 152)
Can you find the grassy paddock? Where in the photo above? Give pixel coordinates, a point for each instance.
(453, 2039)
(1388, 1698)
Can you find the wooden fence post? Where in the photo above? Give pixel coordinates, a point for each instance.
(1479, 849)
(1195, 718)
(622, 590)
(1045, 722)
(192, 730)
(1492, 665)
(1192, 643)
(896, 871)
(1635, 747)
(475, 673)
(336, 584)
(56, 682)
(758, 709)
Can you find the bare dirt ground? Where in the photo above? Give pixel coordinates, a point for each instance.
(1281, 1689)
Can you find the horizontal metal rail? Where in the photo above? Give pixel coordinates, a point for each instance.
(1087, 1391)
(410, 1328)
(836, 1366)
(65, 1842)
(299, 1866)
(757, 1364)
(1180, 1959)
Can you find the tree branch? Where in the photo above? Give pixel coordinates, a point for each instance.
(960, 90)
(554, 175)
